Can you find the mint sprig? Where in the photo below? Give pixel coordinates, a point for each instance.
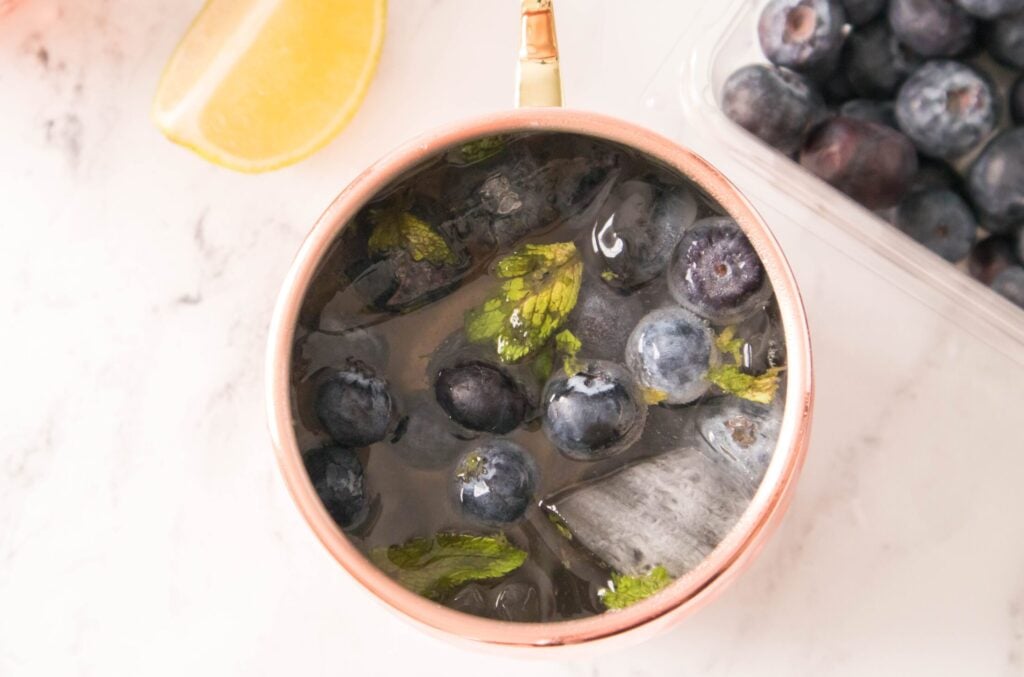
(433, 567)
(624, 590)
(540, 288)
(394, 228)
(730, 378)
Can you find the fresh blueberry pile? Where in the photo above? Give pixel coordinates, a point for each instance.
(910, 107)
(522, 326)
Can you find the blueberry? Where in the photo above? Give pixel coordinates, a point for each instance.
(933, 173)
(990, 9)
(876, 62)
(337, 476)
(481, 396)
(1005, 40)
(931, 27)
(426, 437)
(991, 256)
(879, 112)
(1017, 101)
(496, 481)
(940, 220)
(995, 181)
(859, 12)
(594, 413)
(836, 89)
(1010, 284)
(354, 405)
(716, 273)
(801, 34)
(871, 163)
(741, 434)
(670, 352)
(603, 318)
(947, 108)
(636, 231)
(775, 105)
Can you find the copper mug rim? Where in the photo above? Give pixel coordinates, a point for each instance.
(686, 593)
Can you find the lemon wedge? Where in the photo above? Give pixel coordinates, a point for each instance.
(259, 84)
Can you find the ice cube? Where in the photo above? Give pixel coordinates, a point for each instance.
(516, 601)
(471, 599)
(427, 438)
(670, 510)
(741, 433)
(603, 319)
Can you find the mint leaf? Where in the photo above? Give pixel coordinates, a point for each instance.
(568, 345)
(624, 590)
(433, 567)
(477, 151)
(653, 395)
(542, 283)
(729, 344)
(560, 525)
(395, 228)
(761, 388)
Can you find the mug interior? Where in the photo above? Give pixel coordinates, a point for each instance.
(685, 593)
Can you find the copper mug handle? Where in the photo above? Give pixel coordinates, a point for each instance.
(538, 82)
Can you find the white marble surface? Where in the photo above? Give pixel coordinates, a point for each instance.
(143, 525)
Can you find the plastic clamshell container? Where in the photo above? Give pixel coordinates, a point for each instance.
(683, 101)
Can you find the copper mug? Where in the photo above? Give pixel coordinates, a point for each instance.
(538, 110)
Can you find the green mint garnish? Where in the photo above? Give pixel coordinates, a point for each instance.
(559, 524)
(567, 346)
(476, 151)
(761, 388)
(653, 395)
(608, 276)
(625, 590)
(395, 228)
(729, 344)
(541, 284)
(433, 567)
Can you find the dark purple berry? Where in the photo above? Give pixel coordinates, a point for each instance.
(776, 105)
(1005, 40)
(947, 108)
(801, 34)
(933, 173)
(337, 476)
(836, 88)
(593, 413)
(879, 112)
(931, 27)
(1017, 101)
(995, 182)
(871, 163)
(876, 62)
(481, 396)
(1010, 284)
(991, 256)
(716, 273)
(354, 405)
(496, 481)
(990, 9)
(859, 12)
(940, 220)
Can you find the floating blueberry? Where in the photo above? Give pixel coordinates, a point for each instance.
(1005, 40)
(354, 405)
(740, 434)
(481, 396)
(1017, 101)
(859, 12)
(716, 273)
(778, 106)
(593, 413)
(636, 231)
(670, 352)
(940, 220)
(876, 61)
(871, 163)
(878, 112)
(337, 476)
(991, 256)
(801, 34)
(931, 27)
(1010, 284)
(995, 181)
(947, 108)
(496, 481)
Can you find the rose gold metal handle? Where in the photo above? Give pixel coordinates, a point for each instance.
(538, 82)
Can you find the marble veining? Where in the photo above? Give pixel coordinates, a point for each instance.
(143, 526)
